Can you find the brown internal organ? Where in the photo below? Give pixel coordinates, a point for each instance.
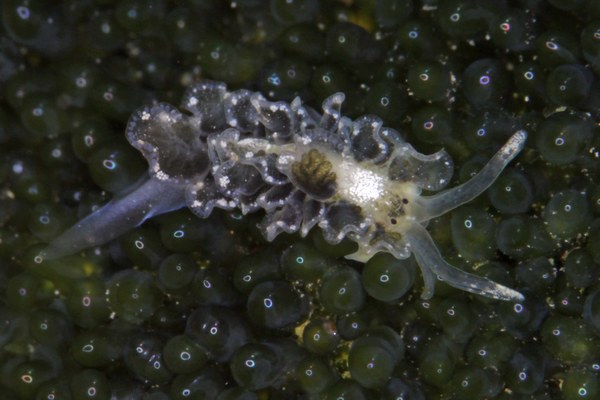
(314, 175)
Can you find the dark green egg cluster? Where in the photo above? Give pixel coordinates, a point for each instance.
(184, 308)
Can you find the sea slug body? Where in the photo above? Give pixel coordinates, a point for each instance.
(354, 179)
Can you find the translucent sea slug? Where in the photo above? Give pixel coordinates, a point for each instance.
(354, 179)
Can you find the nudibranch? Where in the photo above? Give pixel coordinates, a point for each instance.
(354, 179)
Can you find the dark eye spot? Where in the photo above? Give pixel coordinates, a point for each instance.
(404, 201)
(393, 221)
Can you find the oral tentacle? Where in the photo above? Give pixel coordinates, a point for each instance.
(430, 261)
(443, 202)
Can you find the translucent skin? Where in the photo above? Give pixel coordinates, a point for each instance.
(354, 179)
(120, 215)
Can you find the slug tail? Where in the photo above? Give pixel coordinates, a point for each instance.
(445, 201)
(118, 216)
